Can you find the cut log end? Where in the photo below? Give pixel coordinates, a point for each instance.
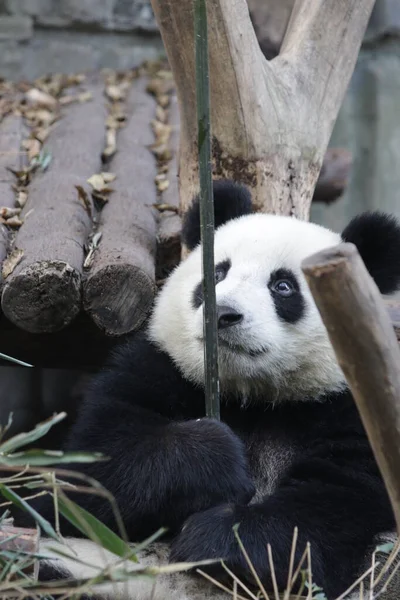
(42, 298)
(324, 261)
(119, 298)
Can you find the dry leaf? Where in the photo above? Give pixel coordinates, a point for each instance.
(108, 177)
(40, 98)
(161, 131)
(115, 93)
(161, 114)
(14, 222)
(22, 198)
(7, 212)
(162, 185)
(163, 207)
(93, 244)
(163, 100)
(111, 143)
(41, 134)
(70, 98)
(11, 262)
(84, 198)
(33, 146)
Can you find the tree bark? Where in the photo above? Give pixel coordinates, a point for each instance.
(11, 157)
(365, 344)
(271, 120)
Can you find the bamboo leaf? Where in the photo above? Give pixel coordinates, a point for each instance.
(23, 439)
(14, 360)
(94, 529)
(44, 458)
(20, 503)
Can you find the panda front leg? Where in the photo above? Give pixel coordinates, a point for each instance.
(338, 509)
(160, 471)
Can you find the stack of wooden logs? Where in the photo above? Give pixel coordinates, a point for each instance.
(90, 208)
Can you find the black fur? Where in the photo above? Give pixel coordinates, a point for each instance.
(377, 237)
(166, 468)
(231, 200)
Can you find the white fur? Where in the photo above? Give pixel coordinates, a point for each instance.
(299, 360)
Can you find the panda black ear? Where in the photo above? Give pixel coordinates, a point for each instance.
(231, 200)
(377, 237)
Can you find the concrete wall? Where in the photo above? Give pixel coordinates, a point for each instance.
(40, 36)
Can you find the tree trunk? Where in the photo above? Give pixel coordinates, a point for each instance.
(271, 120)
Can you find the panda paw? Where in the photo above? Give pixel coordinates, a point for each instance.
(210, 535)
(217, 470)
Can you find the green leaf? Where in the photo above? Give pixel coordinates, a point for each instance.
(44, 458)
(14, 360)
(385, 548)
(22, 504)
(23, 439)
(45, 159)
(94, 529)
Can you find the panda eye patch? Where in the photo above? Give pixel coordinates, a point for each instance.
(286, 295)
(221, 271)
(284, 288)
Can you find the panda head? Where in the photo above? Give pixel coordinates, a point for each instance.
(272, 342)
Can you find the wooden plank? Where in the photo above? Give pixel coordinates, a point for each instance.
(43, 293)
(120, 286)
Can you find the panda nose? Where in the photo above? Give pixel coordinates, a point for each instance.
(227, 317)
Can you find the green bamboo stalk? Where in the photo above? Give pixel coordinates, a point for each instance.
(206, 210)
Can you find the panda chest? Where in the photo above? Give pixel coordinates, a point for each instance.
(271, 455)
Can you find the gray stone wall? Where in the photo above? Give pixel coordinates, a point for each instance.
(369, 123)
(40, 36)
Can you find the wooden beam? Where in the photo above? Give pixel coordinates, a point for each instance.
(368, 352)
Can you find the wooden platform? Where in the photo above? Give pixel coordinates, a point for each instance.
(89, 219)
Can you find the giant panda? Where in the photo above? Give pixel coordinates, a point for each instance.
(290, 449)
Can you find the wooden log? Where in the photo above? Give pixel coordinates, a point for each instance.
(120, 287)
(11, 157)
(169, 231)
(43, 293)
(365, 344)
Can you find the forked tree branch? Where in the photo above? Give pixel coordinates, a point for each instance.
(271, 120)
(368, 352)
